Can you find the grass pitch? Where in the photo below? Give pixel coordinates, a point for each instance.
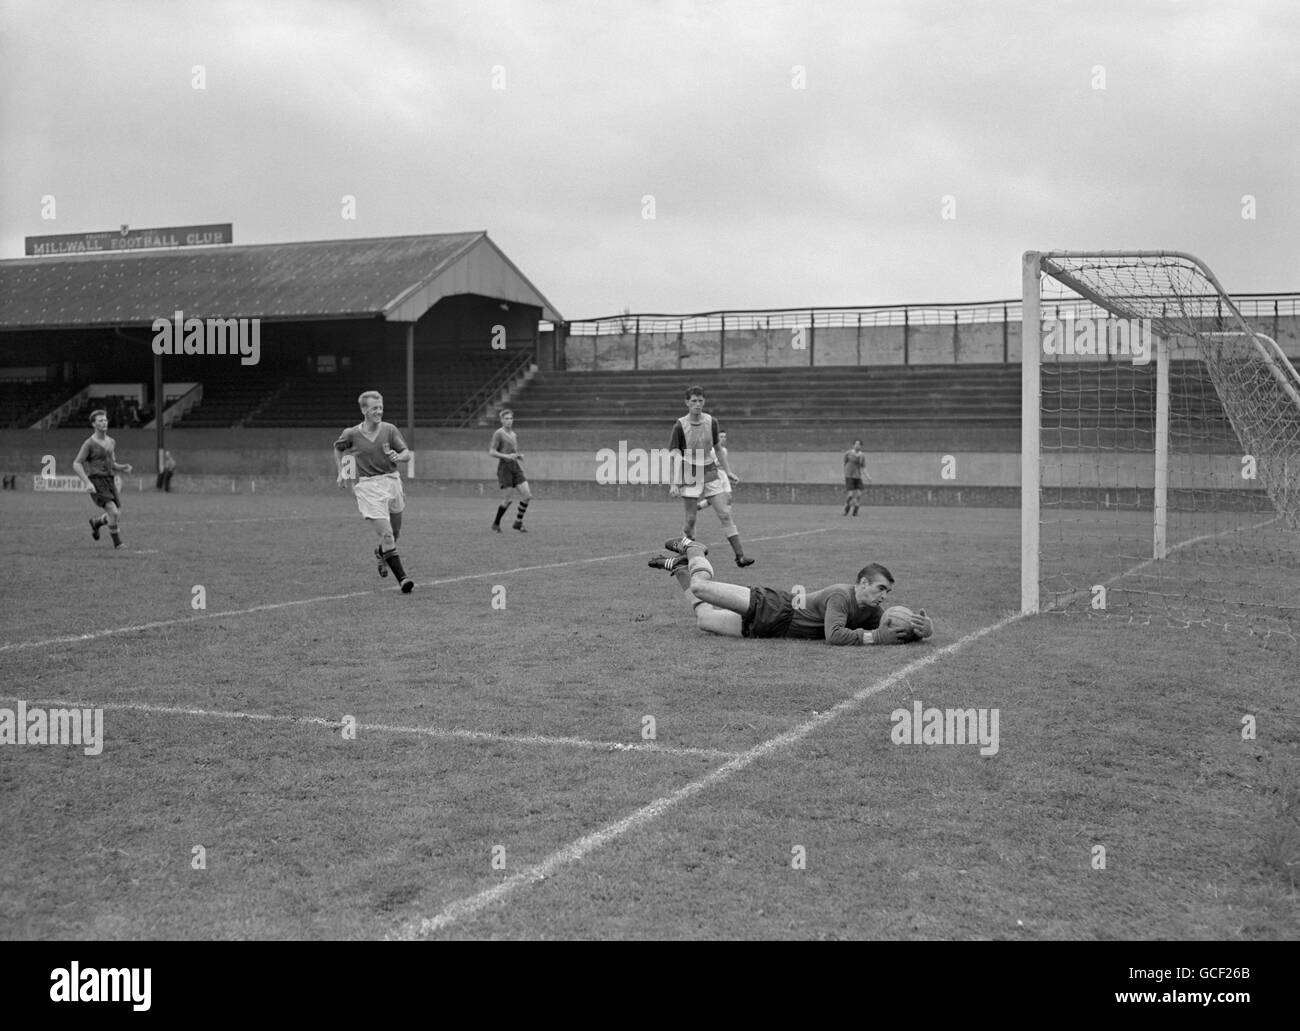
(501, 721)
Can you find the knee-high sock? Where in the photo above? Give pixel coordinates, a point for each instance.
(683, 576)
(522, 510)
(395, 564)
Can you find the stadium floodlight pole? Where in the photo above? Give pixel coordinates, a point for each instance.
(158, 412)
(1030, 437)
(410, 395)
(157, 396)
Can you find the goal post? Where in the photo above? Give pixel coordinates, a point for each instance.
(1160, 446)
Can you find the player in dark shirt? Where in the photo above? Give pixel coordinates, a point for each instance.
(842, 614)
(511, 477)
(96, 463)
(855, 471)
(370, 452)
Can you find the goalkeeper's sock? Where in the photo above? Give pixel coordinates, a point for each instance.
(395, 564)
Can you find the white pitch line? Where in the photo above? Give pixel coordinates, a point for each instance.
(578, 849)
(45, 527)
(182, 620)
(441, 733)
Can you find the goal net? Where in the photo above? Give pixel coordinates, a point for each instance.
(1160, 440)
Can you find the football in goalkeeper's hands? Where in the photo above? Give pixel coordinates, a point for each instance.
(901, 617)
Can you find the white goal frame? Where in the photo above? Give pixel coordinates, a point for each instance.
(1033, 266)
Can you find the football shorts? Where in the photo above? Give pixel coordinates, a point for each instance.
(722, 485)
(510, 474)
(105, 491)
(377, 496)
(769, 614)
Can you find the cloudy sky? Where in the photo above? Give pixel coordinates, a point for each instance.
(793, 153)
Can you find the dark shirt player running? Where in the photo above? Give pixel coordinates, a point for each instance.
(96, 463)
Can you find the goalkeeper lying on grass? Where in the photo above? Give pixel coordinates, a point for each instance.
(839, 614)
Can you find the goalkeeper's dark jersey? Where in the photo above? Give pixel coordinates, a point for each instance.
(833, 614)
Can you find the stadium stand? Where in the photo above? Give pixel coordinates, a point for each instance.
(123, 412)
(231, 400)
(22, 404)
(850, 396)
(444, 382)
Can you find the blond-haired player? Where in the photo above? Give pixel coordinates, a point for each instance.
(96, 463)
(370, 451)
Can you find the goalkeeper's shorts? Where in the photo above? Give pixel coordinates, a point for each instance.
(769, 614)
(377, 496)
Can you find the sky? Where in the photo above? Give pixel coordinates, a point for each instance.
(674, 156)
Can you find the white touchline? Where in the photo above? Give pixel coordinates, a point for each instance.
(576, 850)
(197, 617)
(442, 733)
(45, 527)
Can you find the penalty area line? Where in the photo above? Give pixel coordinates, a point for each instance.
(578, 849)
(272, 606)
(440, 733)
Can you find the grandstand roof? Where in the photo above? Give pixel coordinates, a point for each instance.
(397, 278)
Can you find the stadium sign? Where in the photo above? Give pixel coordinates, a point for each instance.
(128, 239)
(70, 483)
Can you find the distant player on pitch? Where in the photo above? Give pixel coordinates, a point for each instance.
(842, 614)
(96, 463)
(510, 472)
(696, 436)
(855, 471)
(371, 451)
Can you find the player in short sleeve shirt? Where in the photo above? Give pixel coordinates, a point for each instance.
(96, 463)
(369, 453)
(511, 477)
